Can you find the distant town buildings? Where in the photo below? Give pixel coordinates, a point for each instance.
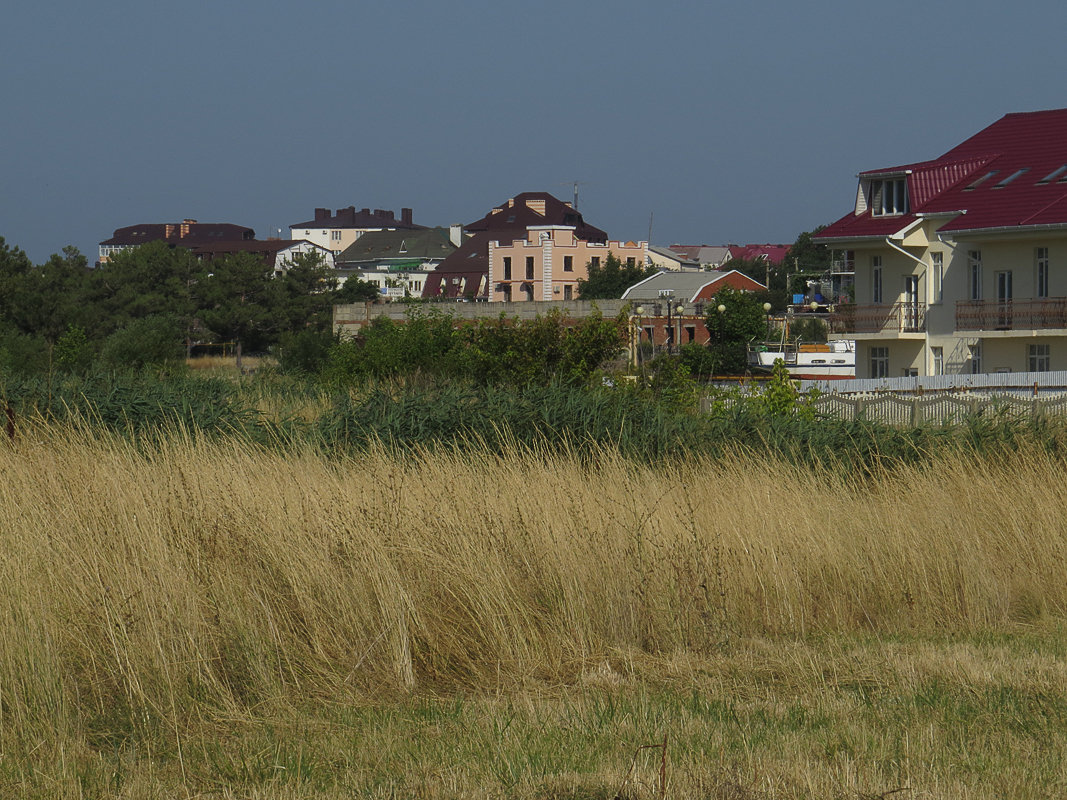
(340, 230)
(188, 233)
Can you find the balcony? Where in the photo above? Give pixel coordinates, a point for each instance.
(1009, 315)
(883, 318)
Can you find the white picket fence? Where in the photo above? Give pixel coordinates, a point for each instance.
(942, 398)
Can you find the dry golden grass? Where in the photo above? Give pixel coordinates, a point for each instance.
(166, 606)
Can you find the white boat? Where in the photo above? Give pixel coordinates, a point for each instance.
(806, 360)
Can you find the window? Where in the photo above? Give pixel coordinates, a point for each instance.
(1040, 357)
(529, 267)
(568, 292)
(1041, 271)
(507, 268)
(980, 181)
(976, 358)
(1053, 175)
(1012, 177)
(507, 293)
(631, 262)
(974, 274)
(910, 372)
(937, 277)
(594, 261)
(937, 354)
(889, 197)
(876, 279)
(879, 362)
(335, 236)
(568, 263)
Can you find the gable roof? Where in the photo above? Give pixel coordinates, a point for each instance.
(268, 249)
(689, 286)
(703, 253)
(771, 253)
(425, 244)
(530, 209)
(187, 233)
(1011, 175)
(680, 258)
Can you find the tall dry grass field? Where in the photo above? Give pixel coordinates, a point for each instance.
(152, 597)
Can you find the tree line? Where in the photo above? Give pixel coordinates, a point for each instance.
(151, 304)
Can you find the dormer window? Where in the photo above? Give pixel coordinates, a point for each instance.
(889, 197)
(1012, 177)
(1056, 173)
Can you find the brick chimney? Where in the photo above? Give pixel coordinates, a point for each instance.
(405, 216)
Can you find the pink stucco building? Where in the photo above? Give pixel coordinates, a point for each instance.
(549, 261)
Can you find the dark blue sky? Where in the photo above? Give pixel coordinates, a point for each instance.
(739, 124)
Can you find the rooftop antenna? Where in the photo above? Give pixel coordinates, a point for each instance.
(575, 184)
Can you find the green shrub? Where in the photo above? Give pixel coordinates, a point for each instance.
(150, 341)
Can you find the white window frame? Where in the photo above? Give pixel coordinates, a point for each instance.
(889, 197)
(880, 362)
(1039, 357)
(876, 280)
(1041, 265)
(976, 358)
(937, 356)
(937, 277)
(974, 274)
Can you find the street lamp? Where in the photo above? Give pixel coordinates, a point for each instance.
(640, 312)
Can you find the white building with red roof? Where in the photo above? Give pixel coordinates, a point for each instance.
(961, 262)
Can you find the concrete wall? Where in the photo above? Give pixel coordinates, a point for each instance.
(347, 319)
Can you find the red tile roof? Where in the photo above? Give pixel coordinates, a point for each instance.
(1024, 147)
(773, 253)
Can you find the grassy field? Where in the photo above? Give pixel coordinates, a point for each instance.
(197, 618)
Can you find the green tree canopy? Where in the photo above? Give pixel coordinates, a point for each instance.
(304, 294)
(44, 300)
(730, 330)
(236, 300)
(609, 280)
(153, 280)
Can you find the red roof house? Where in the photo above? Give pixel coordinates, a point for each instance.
(961, 261)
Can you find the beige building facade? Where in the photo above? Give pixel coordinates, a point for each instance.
(548, 263)
(961, 262)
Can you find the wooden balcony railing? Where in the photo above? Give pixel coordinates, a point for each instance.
(879, 318)
(1006, 315)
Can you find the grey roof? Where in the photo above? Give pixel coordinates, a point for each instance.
(684, 285)
(684, 261)
(425, 244)
(704, 253)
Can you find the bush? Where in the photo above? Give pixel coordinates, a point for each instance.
(149, 341)
(305, 352)
(22, 354)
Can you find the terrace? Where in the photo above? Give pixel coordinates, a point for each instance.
(1048, 313)
(882, 319)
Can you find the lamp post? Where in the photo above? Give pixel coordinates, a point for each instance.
(767, 313)
(639, 356)
(678, 309)
(667, 295)
(670, 327)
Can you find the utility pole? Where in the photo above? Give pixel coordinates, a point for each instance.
(575, 184)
